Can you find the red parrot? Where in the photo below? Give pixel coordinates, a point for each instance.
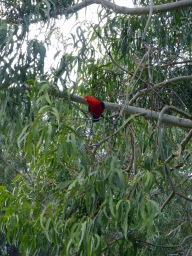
(96, 107)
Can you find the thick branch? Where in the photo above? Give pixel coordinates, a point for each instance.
(130, 11)
(148, 114)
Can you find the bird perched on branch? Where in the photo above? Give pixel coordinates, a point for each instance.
(96, 107)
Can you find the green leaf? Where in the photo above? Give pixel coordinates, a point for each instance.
(43, 110)
(64, 149)
(149, 177)
(143, 210)
(73, 185)
(59, 154)
(118, 205)
(124, 224)
(22, 136)
(68, 247)
(84, 156)
(126, 121)
(63, 184)
(47, 228)
(47, 98)
(48, 138)
(3, 32)
(56, 113)
(156, 205)
(73, 142)
(42, 216)
(111, 207)
(98, 242)
(83, 229)
(138, 176)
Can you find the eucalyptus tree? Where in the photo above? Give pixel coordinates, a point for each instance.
(121, 186)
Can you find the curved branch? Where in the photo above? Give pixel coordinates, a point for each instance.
(130, 11)
(186, 140)
(170, 197)
(182, 144)
(156, 86)
(176, 63)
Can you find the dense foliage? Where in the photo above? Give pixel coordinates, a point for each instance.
(121, 186)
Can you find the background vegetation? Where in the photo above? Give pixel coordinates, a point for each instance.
(121, 186)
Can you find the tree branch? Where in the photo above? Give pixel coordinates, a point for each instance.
(167, 200)
(156, 86)
(148, 114)
(148, 21)
(130, 11)
(186, 140)
(166, 246)
(175, 63)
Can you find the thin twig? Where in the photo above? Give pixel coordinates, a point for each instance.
(165, 246)
(175, 63)
(122, 126)
(182, 144)
(186, 140)
(165, 203)
(115, 62)
(189, 251)
(15, 169)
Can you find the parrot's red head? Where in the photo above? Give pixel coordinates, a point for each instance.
(87, 97)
